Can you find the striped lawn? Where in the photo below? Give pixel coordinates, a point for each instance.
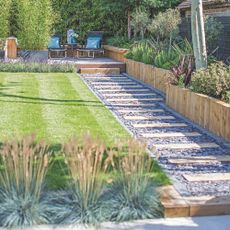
(54, 106)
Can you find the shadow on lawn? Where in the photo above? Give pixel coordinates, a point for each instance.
(50, 101)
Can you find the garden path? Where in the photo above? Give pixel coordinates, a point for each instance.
(197, 161)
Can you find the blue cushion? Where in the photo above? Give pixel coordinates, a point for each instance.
(93, 43)
(54, 43)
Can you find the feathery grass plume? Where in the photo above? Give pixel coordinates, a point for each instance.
(133, 195)
(88, 162)
(23, 168)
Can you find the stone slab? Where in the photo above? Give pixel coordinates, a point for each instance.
(114, 83)
(123, 90)
(119, 86)
(128, 94)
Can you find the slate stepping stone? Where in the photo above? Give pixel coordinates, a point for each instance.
(123, 90)
(128, 94)
(113, 83)
(119, 86)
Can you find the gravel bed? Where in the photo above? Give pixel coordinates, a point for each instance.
(175, 171)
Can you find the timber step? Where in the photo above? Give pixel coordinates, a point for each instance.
(171, 134)
(207, 177)
(135, 99)
(142, 118)
(122, 90)
(141, 110)
(187, 146)
(100, 71)
(160, 125)
(177, 206)
(200, 160)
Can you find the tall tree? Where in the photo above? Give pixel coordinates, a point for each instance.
(198, 34)
(4, 18)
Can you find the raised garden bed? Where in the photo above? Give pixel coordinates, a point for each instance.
(208, 112)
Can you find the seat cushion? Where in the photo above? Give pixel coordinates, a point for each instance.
(93, 43)
(54, 43)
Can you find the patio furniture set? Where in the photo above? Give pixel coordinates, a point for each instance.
(92, 48)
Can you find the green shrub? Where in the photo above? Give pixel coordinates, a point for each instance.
(36, 67)
(213, 81)
(167, 59)
(4, 18)
(24, 167)
(142, 52)
(119, 41)
(165, 25)
(35, 20)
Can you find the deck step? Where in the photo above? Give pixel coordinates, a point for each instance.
(187, 146)
(200, 160)
(142, 118)
(160, 125)
(171, 134)
(141, 110)
(207, 177)
(108, 71)
(134, 99)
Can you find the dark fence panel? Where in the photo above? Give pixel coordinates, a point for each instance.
(224, 38)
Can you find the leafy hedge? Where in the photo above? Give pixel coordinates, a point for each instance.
(36, 67)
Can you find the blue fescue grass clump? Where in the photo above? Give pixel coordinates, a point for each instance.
(24, 166)
(36, 67)
(133, 194)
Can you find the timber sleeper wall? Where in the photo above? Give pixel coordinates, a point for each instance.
(208, 112)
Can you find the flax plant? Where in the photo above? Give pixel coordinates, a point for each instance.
(88, 162)
(133, 194)
(24, 166)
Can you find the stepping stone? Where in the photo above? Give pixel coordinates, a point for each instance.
(134, 99)
(207, 177)
(140, 110)
(187, 146)
(128, 94)
(131, 118)
(135, 105)
(171, 134)
(123, 90)
(118, 86)
(200, 160)
(113, 83)
(160, 125)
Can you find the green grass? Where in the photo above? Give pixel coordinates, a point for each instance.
(55, 107)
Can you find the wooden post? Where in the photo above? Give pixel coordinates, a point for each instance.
(11, 48)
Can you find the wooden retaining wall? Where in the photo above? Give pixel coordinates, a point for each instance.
(115, 53)
(208, 112)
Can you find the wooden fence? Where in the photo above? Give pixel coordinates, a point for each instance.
(208, 112)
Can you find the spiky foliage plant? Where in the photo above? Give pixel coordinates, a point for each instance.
(23, 169)
(88, 162)
(133, 195)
